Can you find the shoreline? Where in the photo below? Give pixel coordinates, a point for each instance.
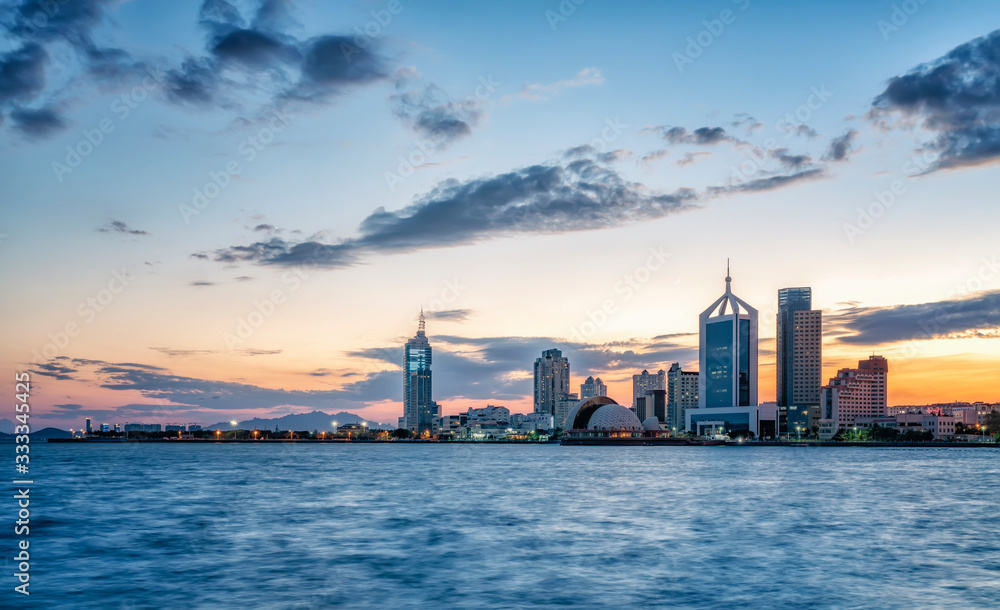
(913, 445)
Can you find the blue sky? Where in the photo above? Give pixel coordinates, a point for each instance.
(581, 156)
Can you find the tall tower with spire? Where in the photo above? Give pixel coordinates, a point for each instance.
(728, 352)
(419, 409)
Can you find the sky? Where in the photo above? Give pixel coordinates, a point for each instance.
(220, 210)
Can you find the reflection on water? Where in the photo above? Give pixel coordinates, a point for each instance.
(297, 526)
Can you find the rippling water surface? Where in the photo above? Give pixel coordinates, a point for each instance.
(409, 525)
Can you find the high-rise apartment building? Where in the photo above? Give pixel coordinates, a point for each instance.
(419, 409)
(592, 387)
(551, 381)
(799, 360)
(644, 382)
(682, 394)
(854, 393)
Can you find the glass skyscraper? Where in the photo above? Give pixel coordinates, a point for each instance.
(799, 360)
(727, 385)
(418, 407)
(728, 354)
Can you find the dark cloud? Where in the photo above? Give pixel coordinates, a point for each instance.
(789, 160)
(704, 136)
(57, 369)
(117, 226)
(200, 256)
(244, 59)
(32, 26)
(450, 315)
(22, 73)
(264, 227)
(201, 283)
(956, 96)
(975, 316)
(574, 196)
(37, 123)
(433, 115)
(770, 182)
(841, 146)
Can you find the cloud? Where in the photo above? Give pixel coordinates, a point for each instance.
(841, 147)
(703, 136)
(691, 157)
(789, 160)
(743, 119)
(117, 226)
(22, 73)
(265, 227)
(55, 369)
(253, 61)
(431, 113)
(655, 155)
(38, 123)
(538, 91)
(956, 96)
(201, 283)
(560, 197)
(450, 315)
(770, 182)
(969, 317)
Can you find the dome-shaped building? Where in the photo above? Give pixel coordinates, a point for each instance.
(651, 423)
(601, 413)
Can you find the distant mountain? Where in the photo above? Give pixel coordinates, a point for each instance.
(316, 420)
(43, 433)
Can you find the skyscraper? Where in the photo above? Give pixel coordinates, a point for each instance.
(682, 395)
(592, 387)
(90, 427)
(727, 386)
(418, 407)
(728, 353)
(644, 382)
(799, 359)
(551, 381)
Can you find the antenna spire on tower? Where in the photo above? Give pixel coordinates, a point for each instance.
(421, 326)
(729, 277)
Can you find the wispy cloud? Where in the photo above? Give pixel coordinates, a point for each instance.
(117, 226)
(539, 91)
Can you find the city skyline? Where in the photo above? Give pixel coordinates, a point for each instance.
(527, 201)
